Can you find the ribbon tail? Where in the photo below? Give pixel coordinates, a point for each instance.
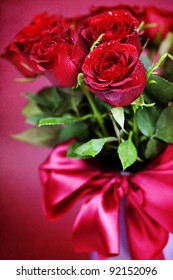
(146, 237)
(97, 227)
(156, 182)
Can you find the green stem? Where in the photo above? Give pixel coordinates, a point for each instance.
(135, 131)
(95, 110)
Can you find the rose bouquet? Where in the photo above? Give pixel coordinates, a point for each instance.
(108, 117)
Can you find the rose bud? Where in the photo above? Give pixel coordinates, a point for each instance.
(58, 57)
(18, 51)
(114, 73)
(117, 25)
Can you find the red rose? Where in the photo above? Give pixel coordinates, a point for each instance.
(22, 61)
(117, 25)
(18, 51)
(58, 56)
(163, 20)
(114, 73)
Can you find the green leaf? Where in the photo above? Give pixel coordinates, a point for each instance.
(161, 90)
(79, 131)
(71, 98)
(96, 42)
(55, 98)
(56, 101)
(31, 109)
(71, 151)
(146, 119)
(152, 82)
(47, 99)
(164, 125)
(79, 80)
(127, 152)
(43, 136)
(34, 119)
(93, 147)
(57, 120)
(118, 114)
(153, 148)
(38, 99)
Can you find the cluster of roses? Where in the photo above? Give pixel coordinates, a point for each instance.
(101, 53)
(104, 46)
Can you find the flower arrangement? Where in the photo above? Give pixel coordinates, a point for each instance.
(108, 117)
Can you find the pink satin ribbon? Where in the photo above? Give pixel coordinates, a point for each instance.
(148, 205)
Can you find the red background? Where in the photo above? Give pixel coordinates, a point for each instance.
(24, 231)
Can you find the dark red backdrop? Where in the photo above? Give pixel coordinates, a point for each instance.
(24, 231)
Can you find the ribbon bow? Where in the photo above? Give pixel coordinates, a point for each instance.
(148, 205)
